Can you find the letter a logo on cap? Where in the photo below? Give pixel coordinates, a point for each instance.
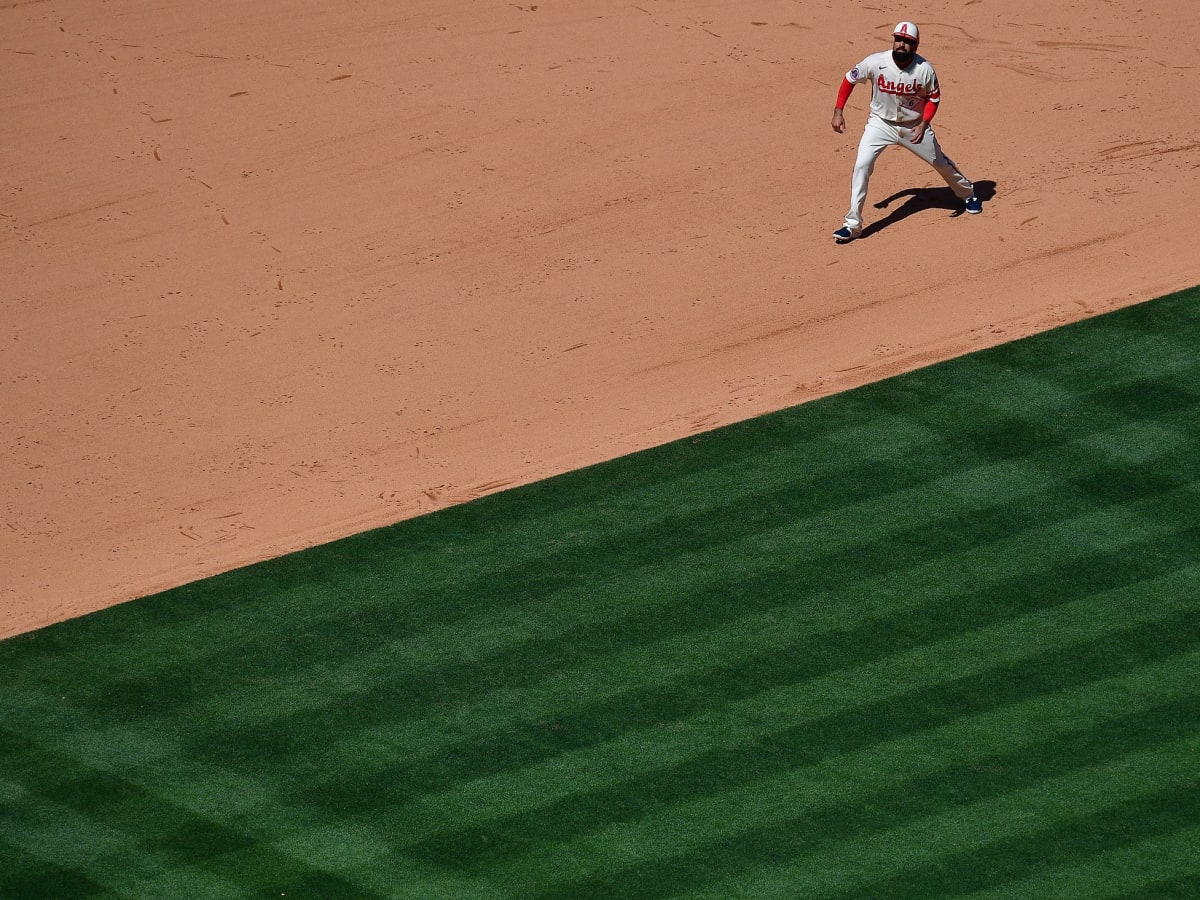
(908, 30)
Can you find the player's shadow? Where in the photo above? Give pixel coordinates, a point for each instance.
(922, 199)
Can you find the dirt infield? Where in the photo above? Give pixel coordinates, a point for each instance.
(277, 273)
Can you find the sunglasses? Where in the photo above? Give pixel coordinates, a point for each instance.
(899, 38)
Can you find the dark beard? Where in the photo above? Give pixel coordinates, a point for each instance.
(902, 59)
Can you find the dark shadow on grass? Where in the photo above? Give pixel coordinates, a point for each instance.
(42, 879)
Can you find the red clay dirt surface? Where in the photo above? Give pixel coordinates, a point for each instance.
(277, 272)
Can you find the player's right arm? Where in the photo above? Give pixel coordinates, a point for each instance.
(839, 119)
(852, 78)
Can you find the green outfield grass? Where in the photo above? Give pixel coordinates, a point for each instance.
(935, 636)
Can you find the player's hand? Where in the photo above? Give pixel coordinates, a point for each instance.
(918, 132)
(839, 121)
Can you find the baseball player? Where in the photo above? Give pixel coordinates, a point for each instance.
(904, 99)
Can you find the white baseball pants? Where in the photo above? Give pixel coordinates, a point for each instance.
(877, 136)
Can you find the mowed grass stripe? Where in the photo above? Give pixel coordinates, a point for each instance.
(694, 626)
(1163, 865)
(385, 786)
(635, 754)
(812, 809)
(964, 742)
(68, 847)
(917, 855)
(689, 675)
(194, 831)
(83, 817)
(662, 672)
(131, 759)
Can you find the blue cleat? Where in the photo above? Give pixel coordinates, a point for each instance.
(974, 205)
(844, 235)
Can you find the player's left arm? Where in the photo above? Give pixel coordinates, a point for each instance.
(932, 95)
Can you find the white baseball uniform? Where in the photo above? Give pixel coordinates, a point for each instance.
(898, 98)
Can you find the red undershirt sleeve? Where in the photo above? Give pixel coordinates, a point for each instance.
(930, 109)
(844, 93)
